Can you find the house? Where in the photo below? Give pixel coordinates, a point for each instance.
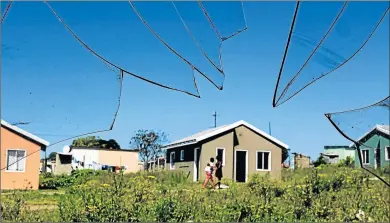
(301, 161)
(63, 163)
(157, 163)
(20, 158)
(100, 158)
(244, 150)
(375, 147)
(48, 164)
(334, 154)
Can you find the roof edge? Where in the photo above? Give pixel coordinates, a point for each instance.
(105, 149)
(25, 133)
(224, 129)
(376, 127)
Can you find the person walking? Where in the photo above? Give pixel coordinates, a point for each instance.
(218, 171)
(209, 176)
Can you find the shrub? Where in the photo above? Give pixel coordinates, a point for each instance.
(50, 181)
(347, 162)
(326, 194)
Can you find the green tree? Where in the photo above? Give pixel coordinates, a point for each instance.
(320, 161)
(149, 144)
(95, 142)
(52, 156)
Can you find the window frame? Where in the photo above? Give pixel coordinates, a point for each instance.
(23, 160)
(172, 161)
(182, 155)
(368, 155)
(387, 153)
(223, 156)
(269, 160)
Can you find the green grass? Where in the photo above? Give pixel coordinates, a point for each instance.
(326, 194)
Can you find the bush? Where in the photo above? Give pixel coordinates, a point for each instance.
(50, 181)
(347, 162)
(324, 194)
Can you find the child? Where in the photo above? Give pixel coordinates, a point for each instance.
(208, 176)
(212, 167)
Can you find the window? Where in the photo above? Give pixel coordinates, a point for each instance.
(182, 155)
(15, 160)
(365, 156)
(221, 154)
(263, 160)
(172, 160)
(387, 153)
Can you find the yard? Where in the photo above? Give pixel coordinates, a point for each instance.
(325, 194)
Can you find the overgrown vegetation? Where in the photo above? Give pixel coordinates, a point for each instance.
(50, 181)
(324, 194)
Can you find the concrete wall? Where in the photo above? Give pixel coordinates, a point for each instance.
(187, 164)
(29, 179)
(301, 161)
(342, 152)
(209, 149)
(120, 158)
(87, 155)
(253, 142)
(61, 167)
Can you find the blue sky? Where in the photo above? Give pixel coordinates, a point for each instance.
(49, 79)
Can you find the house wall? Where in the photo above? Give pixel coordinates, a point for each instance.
(371, 144)
(301, 161)
(342, 152)
(119, 158)
(19, 180)
(209, 149)
(87, 155)
(186, 165)
(62, 168)
(251, 141)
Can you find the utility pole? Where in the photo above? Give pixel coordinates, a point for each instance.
(215, 119)
(269, 128)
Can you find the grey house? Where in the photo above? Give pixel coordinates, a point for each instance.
(244, 149)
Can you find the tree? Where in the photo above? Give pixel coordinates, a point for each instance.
(149, 143)
(320, 161)
(95, 142)
(52, 156)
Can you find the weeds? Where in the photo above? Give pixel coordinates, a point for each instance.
(324, 194)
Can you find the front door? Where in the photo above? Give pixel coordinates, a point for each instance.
(377, 158)
(196, 164)
(241, 166)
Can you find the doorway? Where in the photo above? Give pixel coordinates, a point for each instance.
(377, 158)
(241, 164)
(196, 164)
(172, 161)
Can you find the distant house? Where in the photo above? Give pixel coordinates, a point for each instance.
(97, 158)
(20, 158)
(155, 164)
(334, 154)
(63, 163)
(375, 148)
(301, 161)
(244, 150)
